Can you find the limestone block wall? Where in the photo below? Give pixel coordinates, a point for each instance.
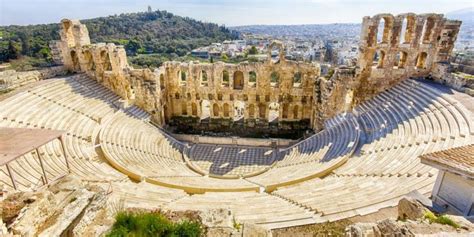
(275, 91)
(267, 91)
(393, 48)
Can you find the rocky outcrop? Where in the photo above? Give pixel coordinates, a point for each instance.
(409, 208)
(411, 222)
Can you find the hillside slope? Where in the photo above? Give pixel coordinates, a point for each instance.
(157, 32)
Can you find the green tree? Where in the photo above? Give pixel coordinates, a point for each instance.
(133, 46)
(224, 57)
(253, 50)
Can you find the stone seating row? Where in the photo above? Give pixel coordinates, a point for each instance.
(336, 197)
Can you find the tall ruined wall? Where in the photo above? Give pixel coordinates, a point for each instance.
(270, 91)
(408, 45)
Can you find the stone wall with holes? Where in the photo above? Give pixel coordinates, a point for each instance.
(393, 48)
(259, 92)
(278, 91)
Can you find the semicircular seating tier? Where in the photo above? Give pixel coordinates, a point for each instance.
(77, 105)
(360, 163)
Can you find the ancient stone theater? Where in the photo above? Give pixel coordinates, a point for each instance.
(356, 135)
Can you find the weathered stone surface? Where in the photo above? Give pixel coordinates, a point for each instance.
(361, 230)
(217, 218)
(35, 214)
(79, 200)
(11, 79)
(411, 209)
(390, 227)
(252, 230)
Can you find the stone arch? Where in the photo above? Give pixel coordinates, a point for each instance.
(182, 77)
(252, 78)
(297, 78)
(67, 29)
(295, 112)
(204, 79)
(215, 110)
(205, 109)
(421, 60)
(238, 80)
(284, 113)
(225, 78)
(428, 27)
(88, 61)
(75, 61)
(379, 59)
(251, 111)
(401, 59)
(105, 59)
(226, 110)
(281, 52)
(184, 108)
(162, 81)
(407, 29)
(194, 109)
(384, 28)
(273, 112)
(262, 111)
(274, 79)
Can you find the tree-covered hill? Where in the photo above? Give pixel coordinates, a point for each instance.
(159, 33)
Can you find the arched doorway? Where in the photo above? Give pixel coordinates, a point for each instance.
(238, 80)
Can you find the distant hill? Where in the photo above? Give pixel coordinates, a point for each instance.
(158, 32)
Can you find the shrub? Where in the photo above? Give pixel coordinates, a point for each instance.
(443, 219)
(187, 229)
(151, 224)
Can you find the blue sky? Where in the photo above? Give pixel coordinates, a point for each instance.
(228, 12)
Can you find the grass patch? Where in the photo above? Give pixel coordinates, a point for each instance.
(443, 219)
(152, 224)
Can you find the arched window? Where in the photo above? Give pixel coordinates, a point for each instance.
(238, 80)
(251, 111)
(297, 79)
(90, 65)
(162, 81)
(380, 31)
(215, 110)
(274, 79)
(295, 112)
(285, 111)
(225, 78)
(104, 58)
(262, 109)
(428, 30)
(226, 110)
(252, 79)
(184, 108)
(75, 61)
(421, 60)
(406, 34)
(204, 78)
(176, 96)
(379, 59)
(401, 59)
(194, 109)
(183, 78)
